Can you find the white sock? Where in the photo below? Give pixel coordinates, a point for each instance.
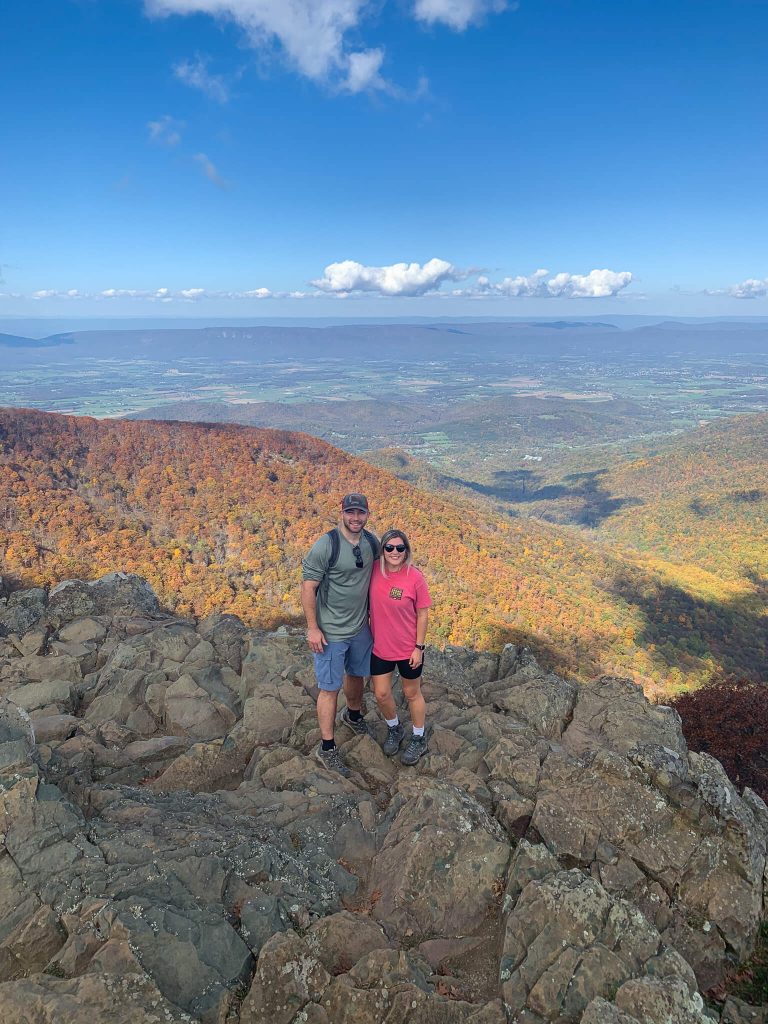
(418, 732)
(393, 722)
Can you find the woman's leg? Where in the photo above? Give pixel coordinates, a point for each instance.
(416, 703)
(382, 690)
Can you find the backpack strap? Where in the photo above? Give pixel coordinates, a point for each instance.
(335, 546)
(373, 542)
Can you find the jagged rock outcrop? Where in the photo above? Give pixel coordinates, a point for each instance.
(170, 849)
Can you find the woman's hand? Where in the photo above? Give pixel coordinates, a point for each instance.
(416, 658)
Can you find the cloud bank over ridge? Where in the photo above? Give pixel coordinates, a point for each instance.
(350, 279)
(597, 284)
(752, 288)
(413, 279)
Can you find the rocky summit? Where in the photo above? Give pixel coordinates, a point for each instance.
(172, 851)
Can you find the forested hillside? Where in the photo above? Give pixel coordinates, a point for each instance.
(219, 516)
(701, 499)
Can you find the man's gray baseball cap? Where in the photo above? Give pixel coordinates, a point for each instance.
(354, 501)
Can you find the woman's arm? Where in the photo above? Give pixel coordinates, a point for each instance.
(422, 621)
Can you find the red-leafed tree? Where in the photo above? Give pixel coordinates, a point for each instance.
(729, 720)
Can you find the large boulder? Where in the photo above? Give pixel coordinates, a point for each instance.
(568, 942)
(541, 699)
(98, 998)
(23, 610)
(117, 593)
(227, 634)
(614, 713)
(442, 863)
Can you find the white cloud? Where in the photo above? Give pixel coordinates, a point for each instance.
(196, 75)
(597, 284)
(122, 293)
(182, 295)
(521, 285)
(752, 288)
(396, 279)
(363, 71)
(311, 33)
(255, 293)
(165, 131)
(594, 285)
(209, 170)
(456, 14)
(52, 293)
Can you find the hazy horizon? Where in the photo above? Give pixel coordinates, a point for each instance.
(40, 327)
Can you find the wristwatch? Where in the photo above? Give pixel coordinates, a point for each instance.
(420, 647)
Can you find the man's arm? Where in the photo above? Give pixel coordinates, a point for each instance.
(315, 637)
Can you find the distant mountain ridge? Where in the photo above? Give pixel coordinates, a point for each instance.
(17, 341)
(437, 337)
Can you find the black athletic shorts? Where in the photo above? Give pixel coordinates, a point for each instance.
(380, 667)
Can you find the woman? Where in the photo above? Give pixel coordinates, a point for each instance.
(399, 603)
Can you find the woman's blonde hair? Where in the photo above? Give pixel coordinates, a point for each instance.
(386, 538)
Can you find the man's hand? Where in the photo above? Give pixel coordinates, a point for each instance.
(316, 640)
(416, 658)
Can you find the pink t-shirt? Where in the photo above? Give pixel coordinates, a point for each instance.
(394, 599)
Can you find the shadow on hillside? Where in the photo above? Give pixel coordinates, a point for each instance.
(590, 503)
(579, 660)
(749, 497)
(687, 630)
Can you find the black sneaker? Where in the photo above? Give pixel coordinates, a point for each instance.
(395, 736)
(332, 760)
(416, 748)
(358, 727)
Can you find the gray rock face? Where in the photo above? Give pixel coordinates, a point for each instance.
(118, 998)
(441, 865)
(568, 942)
(118, 593)
(609, 715)
(22, 611)
(171, 851)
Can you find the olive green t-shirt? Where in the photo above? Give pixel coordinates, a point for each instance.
(342, 597)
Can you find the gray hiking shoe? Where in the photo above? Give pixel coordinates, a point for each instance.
(395, 736)
(359, 727)
(332, 760)
(417, 747)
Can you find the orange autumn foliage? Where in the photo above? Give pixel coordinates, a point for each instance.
(217, 517)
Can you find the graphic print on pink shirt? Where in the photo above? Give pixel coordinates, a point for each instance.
(394, 599)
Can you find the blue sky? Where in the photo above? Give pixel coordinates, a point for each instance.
(433, 157)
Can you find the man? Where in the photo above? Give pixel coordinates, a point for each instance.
(334, 596)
